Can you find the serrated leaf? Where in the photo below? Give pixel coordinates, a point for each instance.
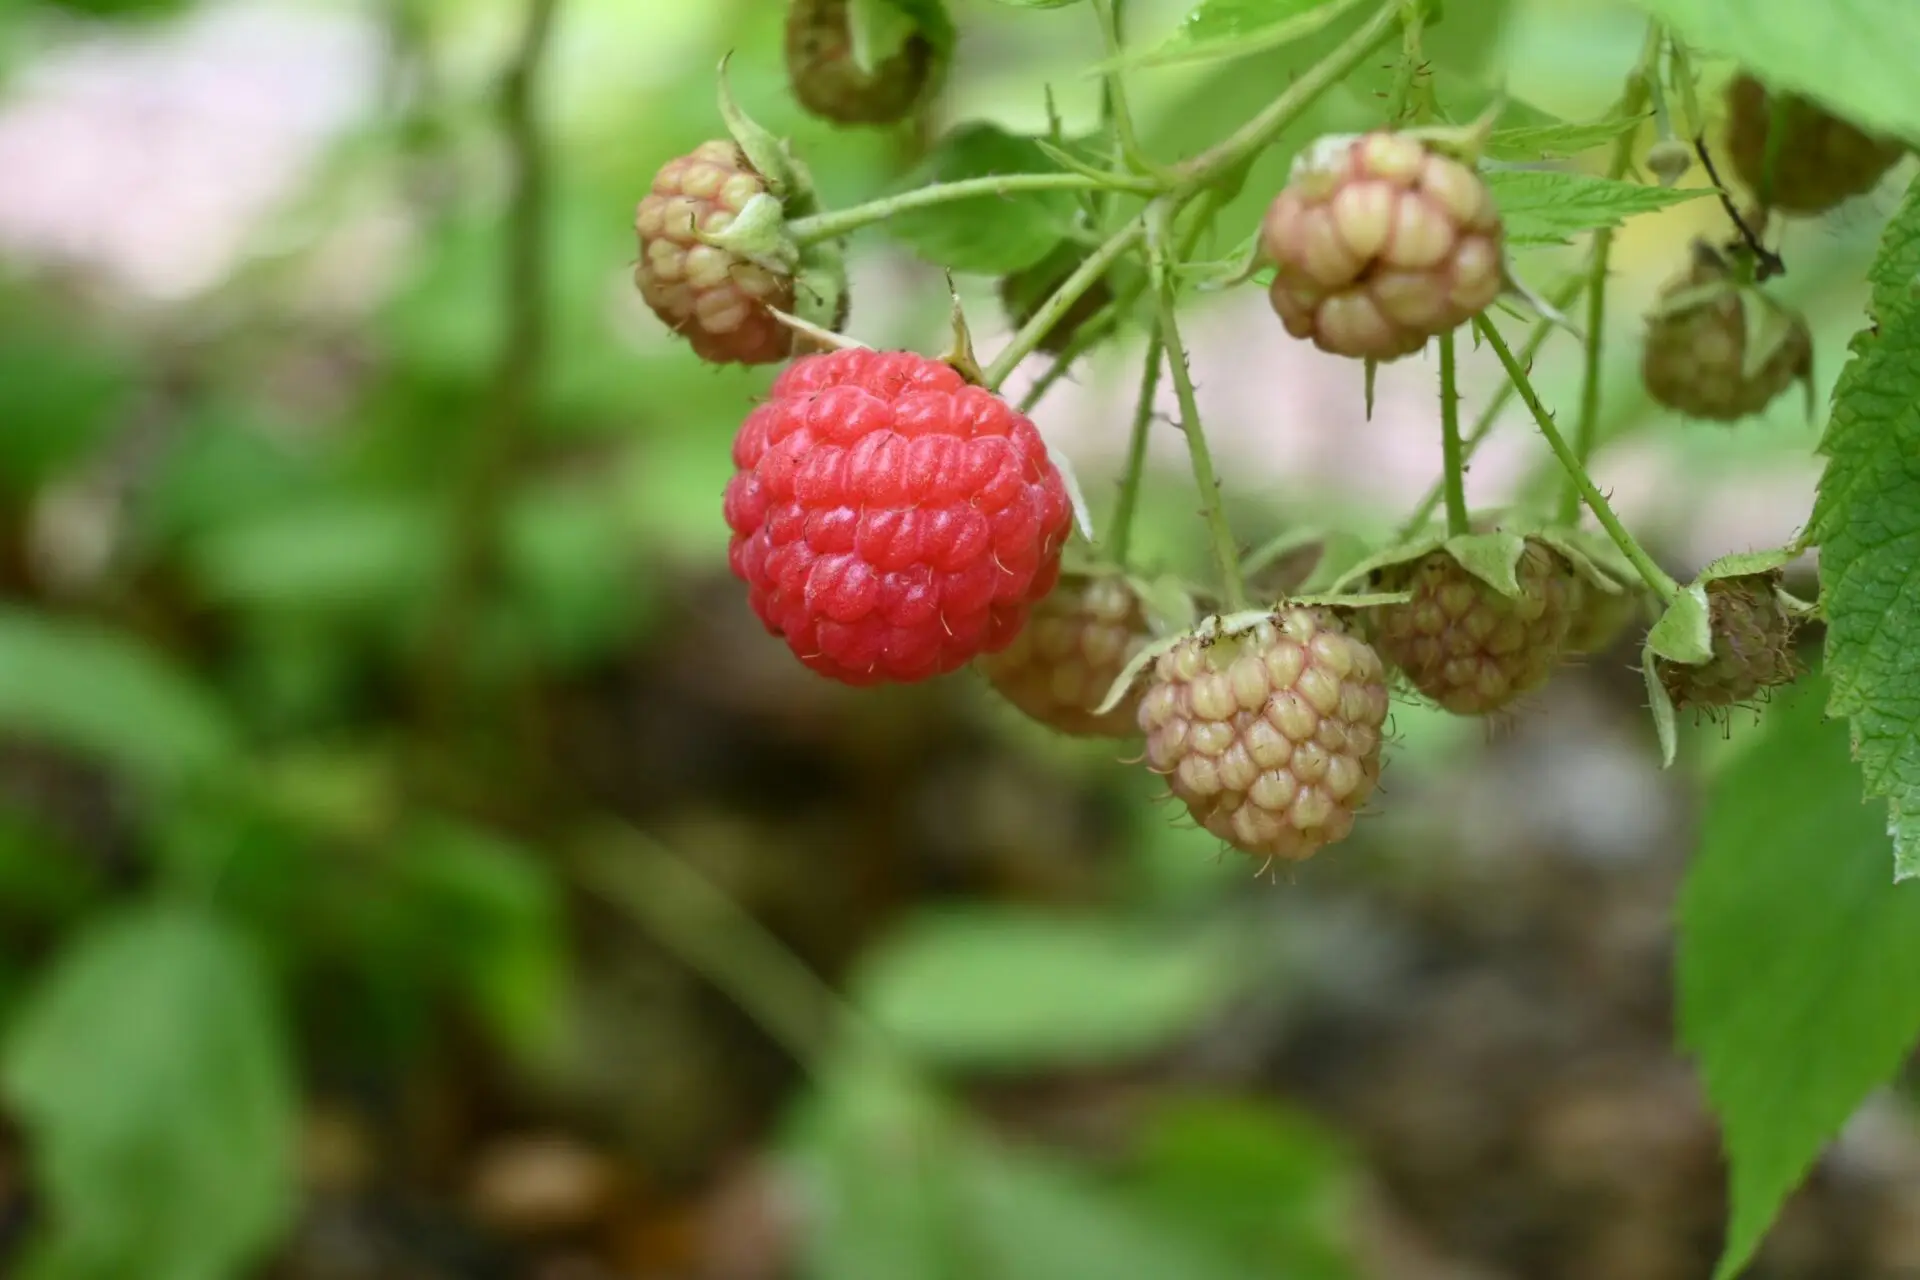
(1867, 524)
(1556, 141)
(1853, 56)
(1005, 987)
(1545, 206)
(1684, 632)
(102, 694)
(1218, 30)
(1660, 705)
(1490, 557)
(1799, 957)
(994, 234)
(151, 1069)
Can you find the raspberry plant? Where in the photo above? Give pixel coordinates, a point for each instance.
(870, 520)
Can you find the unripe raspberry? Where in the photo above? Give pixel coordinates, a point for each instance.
(716, 299)
(1464, 644)
(1024, 292)
(890, 520)
(1600, 617)
(1271, 737)
(1752, 647)
(1820, 160)
(1696, 359)
(830, 83)
(1382, 246)
(1076, 644)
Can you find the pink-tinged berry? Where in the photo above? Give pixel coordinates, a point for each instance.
(891, 521)
(829, 82)
(1753, 637)
(1698, 358)
(1271, 736)
(1381, 245)
(717, 300)
(1076, 644)
(1466, 645)
(1819, 160)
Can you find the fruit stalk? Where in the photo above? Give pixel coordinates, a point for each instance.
(1453, 459)
(1656, 579)
(1120, 535)
(1035, 330)
(1108, 12)
(836, 223)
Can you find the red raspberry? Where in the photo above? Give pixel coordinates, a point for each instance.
(715, 299)
(827, 80)
(1821, 160)
(1382, 246)
(1272, 736)
(1077, 643)
(890, 520)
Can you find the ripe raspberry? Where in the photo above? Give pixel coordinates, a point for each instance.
(1381, 247)
(1023, 293)
(1271, 736)
(1467, 646)
(829, 82)
(1820, 160)
(1752, 647)
(717, 300)
(1695, 359)
(1080, 638)
(891, 521)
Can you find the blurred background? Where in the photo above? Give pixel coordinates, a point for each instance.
(416, 863)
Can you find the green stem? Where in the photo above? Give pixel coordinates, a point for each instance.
(1411, 62)
(1120, 531)
(1290, 105)
(1226, 553)
(704, 929)
(836, 223)
(1453, 457)
(1108, 12)
(1035, 330)
(1651, 573)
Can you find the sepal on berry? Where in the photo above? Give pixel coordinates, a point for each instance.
(785, 176)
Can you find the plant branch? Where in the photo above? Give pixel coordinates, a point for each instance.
(482, 488)
(1290, 105)
(835, 223)
(1035, 330)
(1120, 531)
(1452, 457)
(1108, 12)
(1651, 573)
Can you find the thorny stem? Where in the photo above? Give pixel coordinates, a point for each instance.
(835, 223)
(1651, 573)
(1108, 12)
(1225, 552)
(1290, 105)
(1412, 62)
(1120, 529)
(1070, 291)
(1453, 460)
(483, 487)
(1640, 85)
(703, 928)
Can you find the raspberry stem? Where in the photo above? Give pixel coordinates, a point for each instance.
(1453, 459)
(1108, 12)
(1290, 105)
(1120, 533)
(836, 223)
(1035, 330)
(1656, 579)
(1167, 327)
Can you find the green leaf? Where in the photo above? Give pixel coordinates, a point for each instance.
(104, 695)
(1741, 564)
(989, 235)
(352, 552)
(1867, 524)
(1684, 631)
(1223, 29)
(1799, 959)
(1490, 557)
(1853, 56)
(1000, 988)
(1557, 141)
(58, 400)
(1660, 704)
(1545, 206)
(151, 1069)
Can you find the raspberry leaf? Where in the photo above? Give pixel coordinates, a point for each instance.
(1545, 206)
(1219, 30)
(1799, 960)
(1852, 56)
(1684, 633)
(1867, 524)
(1554, 141)
(992, 234)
